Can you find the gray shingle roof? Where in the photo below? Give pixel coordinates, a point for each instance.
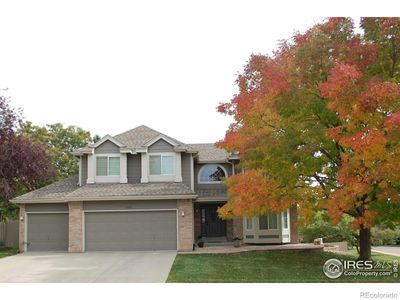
(209, 152)
(56, 190)
(68, 190)
(128, 189)
(137, 137)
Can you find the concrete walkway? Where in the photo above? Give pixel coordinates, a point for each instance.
(246, 248)
(141, 266)
(391, 250)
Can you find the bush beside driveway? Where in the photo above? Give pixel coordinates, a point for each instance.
(5, 251)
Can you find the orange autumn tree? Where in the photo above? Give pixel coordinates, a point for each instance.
(317, 125)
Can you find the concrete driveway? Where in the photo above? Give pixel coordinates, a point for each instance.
(141, 266)
(392, 250)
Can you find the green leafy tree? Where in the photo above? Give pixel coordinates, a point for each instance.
(59, 141)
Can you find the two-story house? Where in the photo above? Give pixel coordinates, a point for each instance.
(142, 190)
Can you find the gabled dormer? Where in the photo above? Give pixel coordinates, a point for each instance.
(103, 162)
(140, 155)
(160, 160)
(106, 163)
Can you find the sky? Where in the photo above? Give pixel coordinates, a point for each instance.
(109, 66)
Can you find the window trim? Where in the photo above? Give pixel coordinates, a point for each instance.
(162, 178)
(106, 178)
(287, 219)
(211, 182)
(171, 154)
(251, 223)
(267, 216)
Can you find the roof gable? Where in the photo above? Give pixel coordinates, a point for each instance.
(161, 137)
(143, 136)
(210, 153)
(107, 138)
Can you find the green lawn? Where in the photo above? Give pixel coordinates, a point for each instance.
(7, 251)
(263, 266)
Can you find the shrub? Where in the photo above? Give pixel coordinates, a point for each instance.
(381, 236)
(321, 227)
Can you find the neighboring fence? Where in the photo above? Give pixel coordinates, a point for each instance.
(9, 233)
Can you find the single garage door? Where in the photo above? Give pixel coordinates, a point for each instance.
(47, 232)
(130, 231)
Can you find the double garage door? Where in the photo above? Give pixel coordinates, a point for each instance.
(130, 231)
(105, 230)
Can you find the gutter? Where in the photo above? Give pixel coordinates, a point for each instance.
(106, 198)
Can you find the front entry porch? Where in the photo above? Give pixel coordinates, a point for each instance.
(210, 227)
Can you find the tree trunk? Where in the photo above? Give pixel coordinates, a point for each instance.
(365, 244)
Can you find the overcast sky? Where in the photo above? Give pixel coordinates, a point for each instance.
(109, 66)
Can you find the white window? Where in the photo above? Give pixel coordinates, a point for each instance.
(269, 221)
(107, 166)
(162, 164)
(285, 220)
(212, 173)
(249, 224)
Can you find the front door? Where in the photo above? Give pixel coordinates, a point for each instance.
(211, 224)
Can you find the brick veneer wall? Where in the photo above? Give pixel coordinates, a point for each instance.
(294, 230)
(21, 228)
(197, 220)
(185, 225)
(75, 226)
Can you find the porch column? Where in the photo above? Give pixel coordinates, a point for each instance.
(75, 226)
(185, 224)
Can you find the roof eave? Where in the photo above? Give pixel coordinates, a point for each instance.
(211, 199)
(82, 152)
(128, 150)
(216, 161)
(42, 200)
(132, 197)
(105, 198)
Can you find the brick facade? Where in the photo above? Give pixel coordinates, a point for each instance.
(185, 225)
(294, 231)
(197, 220)
(21, 228)
(75, 226)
